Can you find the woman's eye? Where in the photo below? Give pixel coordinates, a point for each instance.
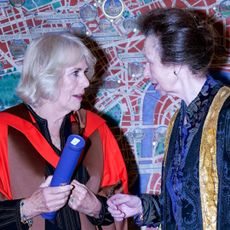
(75, 73)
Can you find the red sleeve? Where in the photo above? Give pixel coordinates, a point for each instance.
(4, 168)
(114, 166)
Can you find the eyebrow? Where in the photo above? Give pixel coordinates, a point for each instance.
(76, 69)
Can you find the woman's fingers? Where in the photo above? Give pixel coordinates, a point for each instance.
(84, 200)
(47, 182)
(47, 199)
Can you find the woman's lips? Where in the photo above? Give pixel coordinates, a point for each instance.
(78, 96)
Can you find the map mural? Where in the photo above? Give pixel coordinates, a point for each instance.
(135, 112)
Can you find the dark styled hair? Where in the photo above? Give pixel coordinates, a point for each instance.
(185, 37)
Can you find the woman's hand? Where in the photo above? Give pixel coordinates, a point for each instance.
(122, 206)
(46, 199)
(83, 200)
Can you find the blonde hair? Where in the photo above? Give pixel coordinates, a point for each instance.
(44, 64)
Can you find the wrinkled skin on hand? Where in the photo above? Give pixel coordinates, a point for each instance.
(122, 206)
(83, 200)
(46, 199)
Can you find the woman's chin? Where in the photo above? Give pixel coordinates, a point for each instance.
(160, 90)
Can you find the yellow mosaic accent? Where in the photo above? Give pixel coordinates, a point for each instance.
(208, 177)
(168, 135)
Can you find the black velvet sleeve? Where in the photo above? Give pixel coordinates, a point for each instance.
(105, 217)
(223, 160)
(151, 211)
(227, 129)
(10, 218)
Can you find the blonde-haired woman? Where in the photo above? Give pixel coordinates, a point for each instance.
(56, 71)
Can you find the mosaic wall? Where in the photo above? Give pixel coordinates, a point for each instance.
(136, 113)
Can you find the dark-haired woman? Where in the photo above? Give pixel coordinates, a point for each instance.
(195, 193)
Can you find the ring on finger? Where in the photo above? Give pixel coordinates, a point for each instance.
(71, 200)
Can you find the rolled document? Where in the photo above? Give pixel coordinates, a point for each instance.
(66, 165)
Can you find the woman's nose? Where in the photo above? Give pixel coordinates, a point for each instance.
(147, 73)
(85, 81)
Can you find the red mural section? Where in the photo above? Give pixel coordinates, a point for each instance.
(136, 113)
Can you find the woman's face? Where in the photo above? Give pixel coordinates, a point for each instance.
(72, 87)
(162, 76)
